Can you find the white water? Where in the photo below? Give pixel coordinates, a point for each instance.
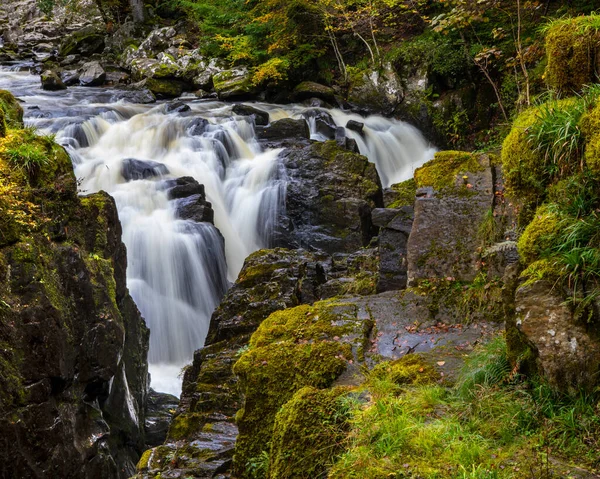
(177, 270)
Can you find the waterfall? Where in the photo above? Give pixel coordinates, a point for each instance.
(177, 269)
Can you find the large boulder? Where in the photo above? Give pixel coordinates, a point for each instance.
(73, 371)
(285, 130)
(330, 194)
(92, 74)
(310, 89)
(260, 117)
(379, 91)
(134, 169)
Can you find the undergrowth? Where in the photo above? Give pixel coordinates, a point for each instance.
(491, 424)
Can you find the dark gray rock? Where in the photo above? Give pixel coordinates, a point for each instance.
(134, 169)
(356, 126)
(176, 107)
(261, 117)
(86, 41)
(183, 187)
(395, 227)
(329, 197)
(198, 126)
(324, 123)
(160, 408)
(309, 89)
(285, 129)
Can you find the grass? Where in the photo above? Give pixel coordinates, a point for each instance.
(28, 151)
(490, 425)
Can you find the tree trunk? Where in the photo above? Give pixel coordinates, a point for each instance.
(137, 10)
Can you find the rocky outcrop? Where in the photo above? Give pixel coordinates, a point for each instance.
(92, 74)
(330, 194)
(456, 191)
(73, 367)
(51, 81)
(234, 83)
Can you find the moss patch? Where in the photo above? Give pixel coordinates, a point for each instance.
(539, 235)
(410, 369)
(308, 433)
(441, 172)
(406, 192)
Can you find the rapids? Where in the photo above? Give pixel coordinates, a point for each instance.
(177, 269)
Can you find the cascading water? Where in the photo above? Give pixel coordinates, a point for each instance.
(177, 269)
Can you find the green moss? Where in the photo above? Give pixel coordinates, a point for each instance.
(541, 270)
(441, 172)
(539, 235)
(410, 369)
(13, 112)
(522, 166)
(165, 88)
(184, 426)
(406, 192)
(308, 433)
(143, 462)
(590, 127)
(571, 46)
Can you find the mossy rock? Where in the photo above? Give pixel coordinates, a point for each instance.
(86, 41)
(403, 194)
(235, 83)
(292, 349)
(539, 235)
(409, 369)
(308, 433)
(167, 88)
(590, 127)
(441, 172)
(571, 46)
(13, 112)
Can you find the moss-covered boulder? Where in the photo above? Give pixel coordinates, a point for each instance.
(539, 235)
(308, 433)
(73, 367)
(309, 89)
(292, 349)
(456, 192)
(13, 112)
(572, 47)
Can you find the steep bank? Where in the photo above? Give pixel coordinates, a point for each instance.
(74, 346)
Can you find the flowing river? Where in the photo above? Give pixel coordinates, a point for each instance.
(177, 272)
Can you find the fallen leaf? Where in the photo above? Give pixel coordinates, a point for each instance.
(441, 363)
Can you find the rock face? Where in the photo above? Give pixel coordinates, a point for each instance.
(73, 368)
(544, 331)
(456, 191)
(234, 83)
(190, 198)
(395, 226)
(92, 74)
(330, 194)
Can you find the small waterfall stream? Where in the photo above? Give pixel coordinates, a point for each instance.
(177, 272)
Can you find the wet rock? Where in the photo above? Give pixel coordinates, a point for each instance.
(547, 336)
(51, 81)
(162, 88)
(87, 41)
(92, 74)
(260, 117)
(183, 187)
(285, 129)
(78, 344)
(134, 169)
(356, 126)
(160, 408)
(142, 95)
(198, 126)
(70, 77)
(395, 226)
(323, 121)
(176, 107)
(234, 83)
(329, 198)
(309, 89)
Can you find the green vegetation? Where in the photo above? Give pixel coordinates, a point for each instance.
(441, 172)
(490, 425)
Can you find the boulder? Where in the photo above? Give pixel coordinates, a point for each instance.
(356, 126)
(329, 198)
(285, 129)
(134, 169)
(51, 81)
(92, 74)
(85, 42)
(376, 91)
(234, 83)
(546, 336)
(190, 199)
(309, 89)
(260, 117)
(176, 107)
